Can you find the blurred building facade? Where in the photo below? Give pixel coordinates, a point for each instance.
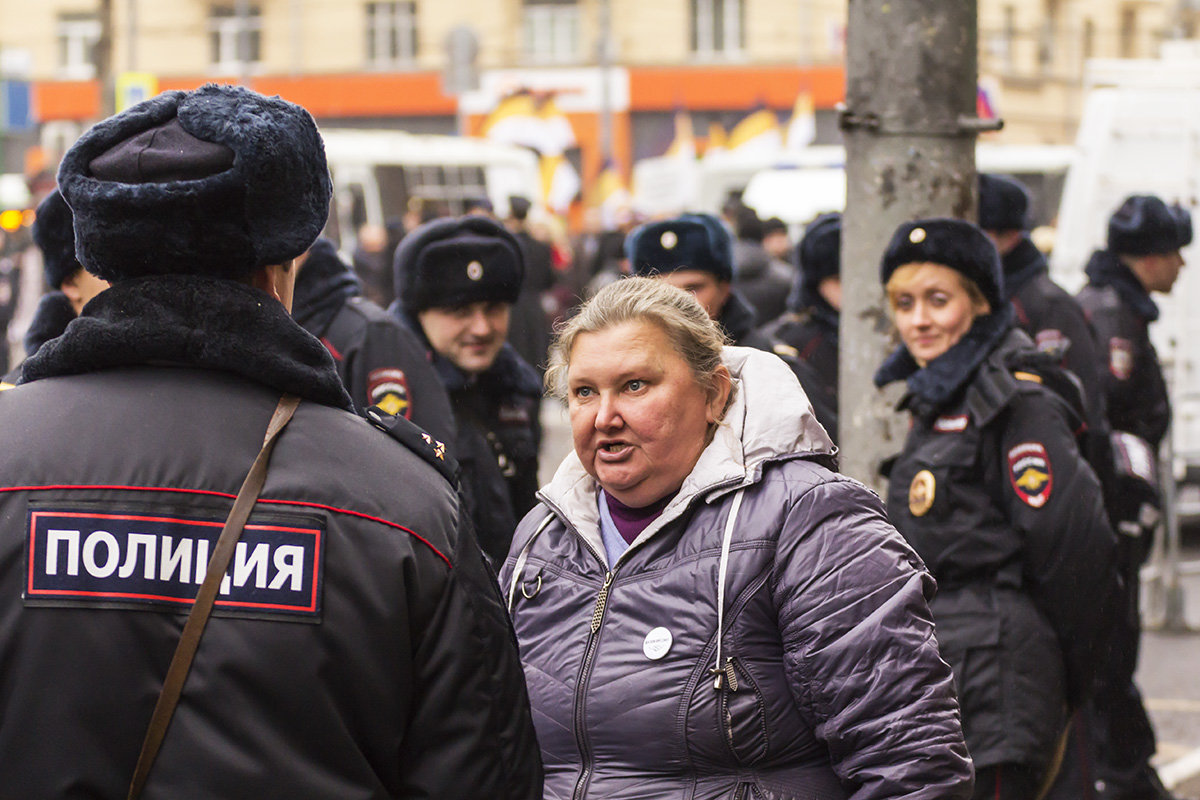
(384, 64)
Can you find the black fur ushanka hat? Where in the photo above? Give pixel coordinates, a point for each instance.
(54, 234)
(456, 261)
(218, 181)
(952, 243)
(1144, 225)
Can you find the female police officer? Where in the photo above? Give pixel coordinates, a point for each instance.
(992, 492)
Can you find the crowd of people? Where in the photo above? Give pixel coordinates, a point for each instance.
(276, 529)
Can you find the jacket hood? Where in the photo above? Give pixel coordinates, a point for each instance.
(770, 419)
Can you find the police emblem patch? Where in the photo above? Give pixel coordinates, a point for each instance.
(1030, 472)
(921, 493)
(388, 388)
(1052, 342)
(916, 235)
(1120, 358)
(668, 240)
(475, 271)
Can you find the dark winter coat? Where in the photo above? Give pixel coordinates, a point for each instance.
(529, 330)
(499, 433)
(993, 494)
(763, 281)
(380, 361)
(831, 685)
(811, 337)
(1120, 310)
(53, 314)
(362, 650)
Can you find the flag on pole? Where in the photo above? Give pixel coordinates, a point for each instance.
(514, 120)
(684, 143)
(612, 196)
(560, 183)
(802, 130)
(757, 132)
(717, 139)
(556, 134)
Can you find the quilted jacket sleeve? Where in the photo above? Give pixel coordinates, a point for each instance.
(860, 651)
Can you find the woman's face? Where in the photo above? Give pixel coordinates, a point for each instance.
(639, 419)
(931, 308)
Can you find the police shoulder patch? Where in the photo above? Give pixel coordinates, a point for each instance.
(1030, 472)
(416, 439)
(1120, 358)
(387, 388)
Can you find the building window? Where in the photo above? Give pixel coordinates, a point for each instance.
(234, 41)
(550, 31)
(391, 34)
(716, 27)
(1089, 39)
(1128, 40)
(77, 38)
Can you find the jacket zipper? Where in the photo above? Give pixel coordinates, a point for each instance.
(585, 674)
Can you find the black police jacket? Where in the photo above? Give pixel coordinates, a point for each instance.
(380, 361)
(361, 648)
(499, 434)
(811, 337)
(992, 492)
(1121, 311)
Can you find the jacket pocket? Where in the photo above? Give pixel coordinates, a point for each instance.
(971, 644)
(743, 714)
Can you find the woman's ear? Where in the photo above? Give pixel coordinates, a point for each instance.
(722, 386)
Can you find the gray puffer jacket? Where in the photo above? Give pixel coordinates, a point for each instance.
(830, 683)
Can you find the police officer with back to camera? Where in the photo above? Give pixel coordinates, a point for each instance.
(71, 285)
(358, 645)
(457, 280)
(808, 330)
(992, 492)
(1142, 256)
(380, 361)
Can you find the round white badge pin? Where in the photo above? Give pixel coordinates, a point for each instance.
(657, 643)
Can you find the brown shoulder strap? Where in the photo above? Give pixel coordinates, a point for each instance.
(193, 629)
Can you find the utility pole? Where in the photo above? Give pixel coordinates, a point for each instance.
(605, 57)
(104, 61)
(909, 125)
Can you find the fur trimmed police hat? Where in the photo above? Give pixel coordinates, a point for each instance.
(54, 234)
(953, 243)
(689, 241)
(454, 261)
(218, 181)
(1144, 225)
(819, 253)
(1183, 224)
(1003, 203)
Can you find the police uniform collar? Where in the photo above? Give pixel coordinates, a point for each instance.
(196, 321)
(932, 386)
(1021, 265)
(323, 286)
(1104, 268)
(737, 316)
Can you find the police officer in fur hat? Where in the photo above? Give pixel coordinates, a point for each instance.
(808, 330)
(1145, 237)
(458, 278)
(381, 362)
(358, 645)
(71, 285)
(994, 495)
(694, 252)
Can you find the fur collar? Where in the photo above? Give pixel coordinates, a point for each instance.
(1021, 265)
(942, 378)
(1105, 269)
(194, 321)
(323, 286)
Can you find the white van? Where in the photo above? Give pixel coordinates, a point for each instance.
(1140, 134)
(377, 173)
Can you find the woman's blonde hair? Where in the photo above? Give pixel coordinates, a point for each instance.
(979, 303)
(695, 337)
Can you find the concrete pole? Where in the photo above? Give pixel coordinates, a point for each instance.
(605, 55)
(909, 126)
(131, 27)
(104, 60)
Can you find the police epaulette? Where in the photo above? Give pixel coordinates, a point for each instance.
(4, 387)
(416, 439)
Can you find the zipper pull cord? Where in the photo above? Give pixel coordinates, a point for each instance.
(726, 540)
